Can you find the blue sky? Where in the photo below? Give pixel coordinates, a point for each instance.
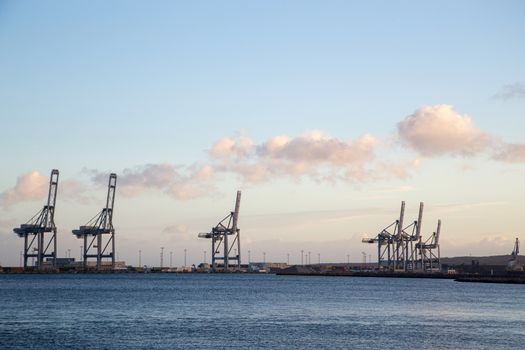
(108, 86)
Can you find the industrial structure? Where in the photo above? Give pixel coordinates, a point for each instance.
(224, 237)
(429, 252)
(41, 228)
(514, 265)
(401, 248)
(99, 233)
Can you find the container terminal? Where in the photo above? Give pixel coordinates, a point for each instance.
(402, 250)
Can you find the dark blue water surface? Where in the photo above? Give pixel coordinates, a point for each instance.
(140, 311)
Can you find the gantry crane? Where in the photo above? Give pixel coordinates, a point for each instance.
(38, 226)
(406, 255)
(220, 238)
(389, 244)
(95, 246)
(514, 265)
(429, 251)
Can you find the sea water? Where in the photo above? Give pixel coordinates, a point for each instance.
(245, 311)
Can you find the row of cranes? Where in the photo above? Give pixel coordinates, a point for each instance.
(402, 248)
(40, 232)
(399, 247)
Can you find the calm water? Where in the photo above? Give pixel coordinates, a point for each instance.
(256, 311)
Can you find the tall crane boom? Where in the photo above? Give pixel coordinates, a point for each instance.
(516, 249)
(419, 221)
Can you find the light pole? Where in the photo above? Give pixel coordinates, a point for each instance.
(69, 253)
(161, 257)
(249, 257)
(302, 257)
(184, 257)
(309, 258)
(319, 258)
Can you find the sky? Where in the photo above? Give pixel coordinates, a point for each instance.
(326, 114)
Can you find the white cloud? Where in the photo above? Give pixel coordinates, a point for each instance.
(439, 130)
(177, 228)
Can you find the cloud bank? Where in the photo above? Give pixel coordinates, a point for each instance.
(314, 155)
(430, 131)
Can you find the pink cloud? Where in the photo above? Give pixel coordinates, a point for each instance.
(29, 187)
(176, 181)
(74, 191)
(511, 153)
(34, 186)
(439, 130)
(315, 147)
(314, 155)
(227, 146)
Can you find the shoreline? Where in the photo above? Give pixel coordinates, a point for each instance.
(505, 279)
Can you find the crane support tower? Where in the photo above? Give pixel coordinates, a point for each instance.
(429, 252)
(42, 224)
(96, 246)
(226, 236)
